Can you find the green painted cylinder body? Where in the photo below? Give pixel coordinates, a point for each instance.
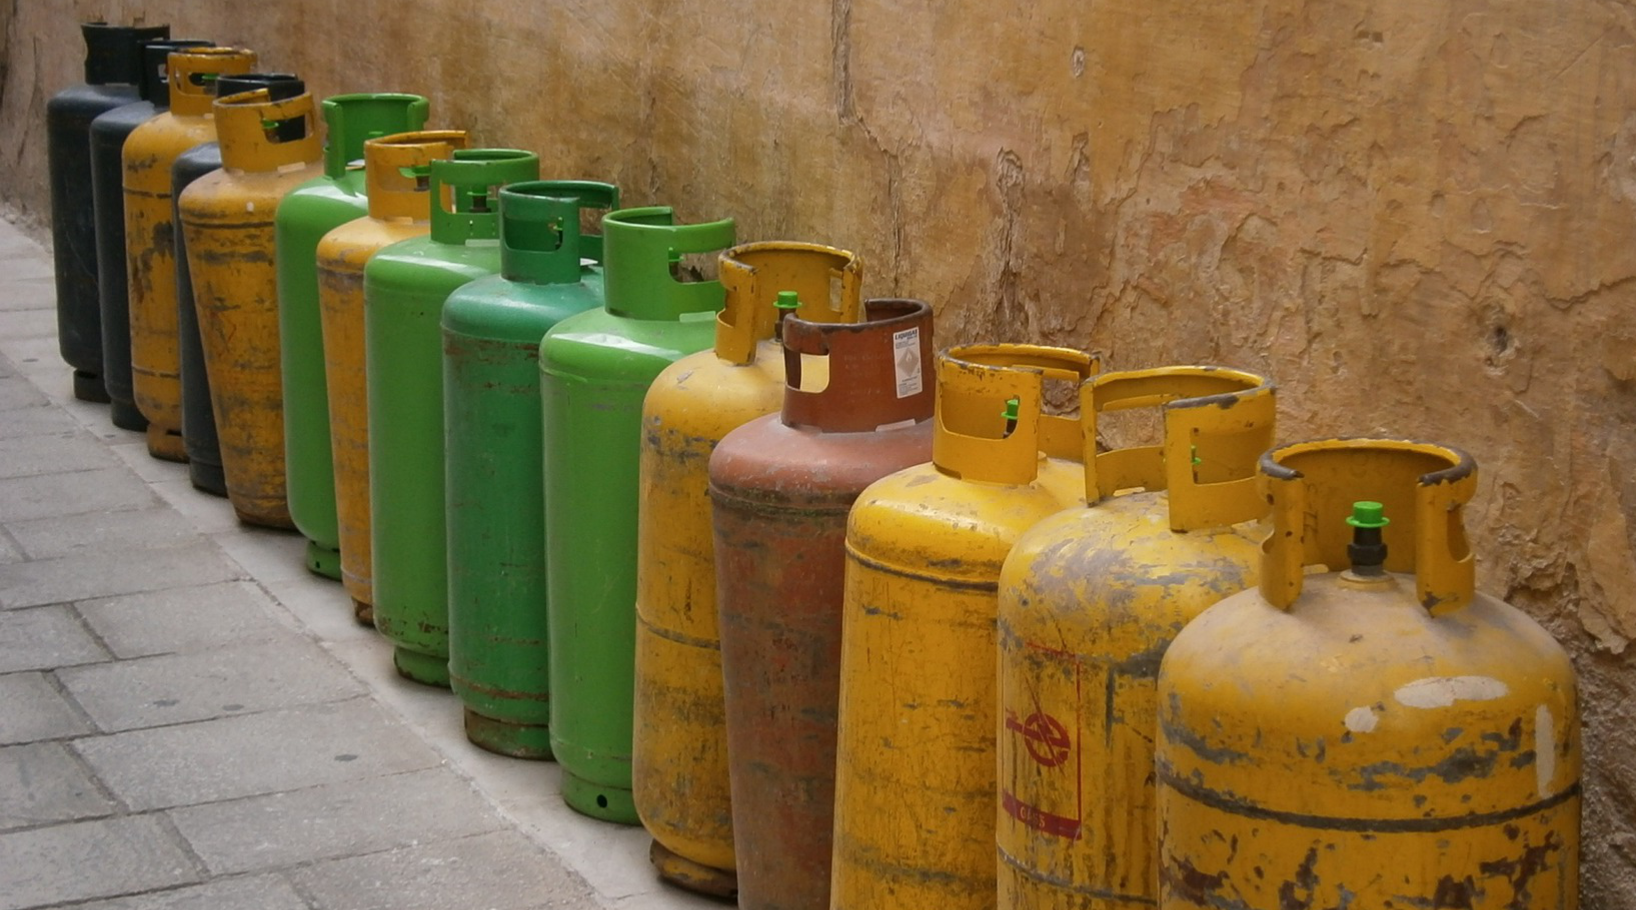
(595, 369)
(492, 447)
(308, 213)
(405, 286)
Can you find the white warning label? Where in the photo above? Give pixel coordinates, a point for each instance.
(906, 356)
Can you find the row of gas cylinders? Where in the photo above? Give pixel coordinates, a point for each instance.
(842, 621)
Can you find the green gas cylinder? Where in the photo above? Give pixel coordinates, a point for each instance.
(405, 286)
(491, 426)
(310, 211)
(595, 369)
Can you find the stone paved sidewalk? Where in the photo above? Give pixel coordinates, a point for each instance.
(191, 721)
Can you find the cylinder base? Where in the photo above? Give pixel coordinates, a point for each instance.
(277, 519)
(166, 444)
(322, 560)
(695, 877)
(530, 741)
(364, 613)
(127, 416)
(611, 804)
(207, 477)
(88, 387)
(421, 668)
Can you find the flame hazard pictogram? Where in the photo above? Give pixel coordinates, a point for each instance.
(1045, 738)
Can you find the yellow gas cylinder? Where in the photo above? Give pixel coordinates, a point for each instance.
(1364, 730)
(1089, 600)
(679, 758)
(268, 148)
(915, 767)
(400, 207)
(150, 244)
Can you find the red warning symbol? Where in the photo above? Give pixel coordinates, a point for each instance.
(1045, 738)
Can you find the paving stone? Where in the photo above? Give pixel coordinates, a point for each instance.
(268, 554)
(247, 755)
(89, 859)
(259, 892)
(34, 710)
(28, 293)
(322, 606)
(178, 688)
(499, 871)
(28, 322)
(53, 453)
(128, 529)
(179, 620)
(337, 820)
(17, 393)
(42, 783)
(44, 638)
(208, 514)
(132, 451)
(53, 495)
(33, 419)
(9, 551)
(105, 573)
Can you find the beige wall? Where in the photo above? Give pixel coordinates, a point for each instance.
(1419, 216)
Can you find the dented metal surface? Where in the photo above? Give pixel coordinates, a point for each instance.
(399, 208)
(1090, 599)
(150, 236)
(915, 760)
(1352, 746)
(679, 750)
(227, 219)
(781, 487)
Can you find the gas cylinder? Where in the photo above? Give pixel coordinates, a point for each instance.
(400, 206)
(492, 443)
(113, 68)
(108, 134)
(204, 457)
(856, 408)
(307, 213)
(268, 148)
(679, 747)
(1089, 600)
(595, 369)
(405, 286)
(150, 257)
(1364, 729)
(915, 768)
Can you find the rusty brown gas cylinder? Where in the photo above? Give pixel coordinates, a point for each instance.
(857, 407)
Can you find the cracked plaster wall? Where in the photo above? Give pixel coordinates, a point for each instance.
(1419, 217)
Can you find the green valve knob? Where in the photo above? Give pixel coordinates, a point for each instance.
(1366, 514)
(1011, 406)
(1194, 451)
(787, 300)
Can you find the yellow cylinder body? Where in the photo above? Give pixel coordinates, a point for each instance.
(915, 767)
(400, 207)
(150, 239)
(679, 758)
(1374, 737)
(1089, 600)
(227, 219)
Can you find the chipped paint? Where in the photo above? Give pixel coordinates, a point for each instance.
(1544, 749)
(1361, 720)
(1444, 691)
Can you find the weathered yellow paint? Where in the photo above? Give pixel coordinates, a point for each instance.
(915, 766)
(1089, 600)
(679, 760)
(400, 207)
(227, 217)
(150, 238)
(1336, 739)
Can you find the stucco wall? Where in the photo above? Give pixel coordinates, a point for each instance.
(1419, 217)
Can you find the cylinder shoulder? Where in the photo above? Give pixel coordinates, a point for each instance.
(351, 244)
(165, 136)
(769, 463)
(119, 122)
(323, 203)
(236, 197)
(705, 395)
(496, 307)
(85, 101)
(599, 343)
(420, 263)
